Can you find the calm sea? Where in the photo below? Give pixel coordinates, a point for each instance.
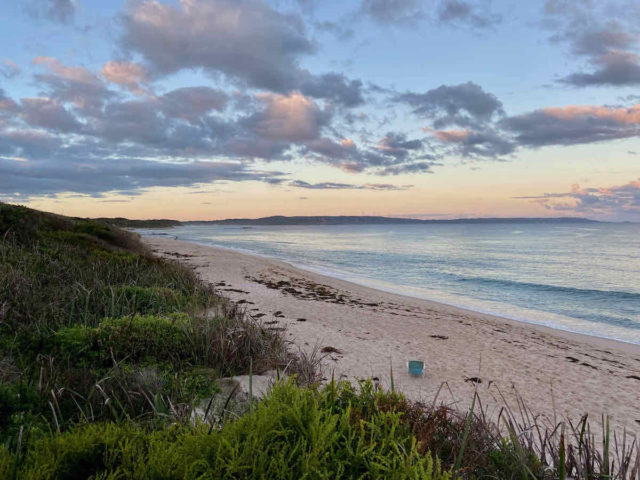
(579, 277)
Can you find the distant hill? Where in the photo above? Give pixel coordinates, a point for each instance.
(333, 220)
(126, 223)
(373, 220)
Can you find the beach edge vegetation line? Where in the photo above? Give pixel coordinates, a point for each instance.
(107, 352)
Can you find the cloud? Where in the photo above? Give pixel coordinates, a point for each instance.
(178, 128)
(391, 155)
(474, 13)
(574, 125)
(333, 86)
(8, 69)
(48, 114)
(342, 29)
(472, 143)
(327, 147)
(617, 68)
(60, 11)
(481, 128)
(7, 105)
(466, 13)
(126, 74)
(466, 104)
(408, 168)
(26, 143)
(74, 74)
(91, 177)
(81, 124)
(390, 12)
(244, 40)
(73, 84)
(601, 42)
(347, 186)
(620, 201)
(191, 103)
(397, 145)
(293, 117)
(604, 35)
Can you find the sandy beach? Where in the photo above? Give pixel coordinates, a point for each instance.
(557, 374)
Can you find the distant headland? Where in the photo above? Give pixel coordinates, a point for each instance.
(338, 220)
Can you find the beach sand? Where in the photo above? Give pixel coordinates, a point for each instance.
(557, 374)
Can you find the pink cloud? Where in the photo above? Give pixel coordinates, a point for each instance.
(615, 201)
(126, 74)
(630, 115)
(292, 117)
(75, 74)
(450, 136)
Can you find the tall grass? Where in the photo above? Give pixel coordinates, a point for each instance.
(95, 328)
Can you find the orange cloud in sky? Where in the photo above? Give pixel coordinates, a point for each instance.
(630, 115)
(77, 74)
(291, 117)
(126, 74)
(450, 136)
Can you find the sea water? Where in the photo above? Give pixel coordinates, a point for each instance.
(582, 277)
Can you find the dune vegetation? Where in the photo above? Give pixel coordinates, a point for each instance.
(107, 352)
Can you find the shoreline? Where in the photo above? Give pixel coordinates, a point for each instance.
(560, 373)
(604, 342)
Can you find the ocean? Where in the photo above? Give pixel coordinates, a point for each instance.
(579, 277)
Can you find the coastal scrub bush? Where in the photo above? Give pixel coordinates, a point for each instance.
(78, 342)
(7, 463)
(57, 271)
(96, 229)
(226, 344)
(141, 338)
(20, 405)
(108, 331)
(295, 433)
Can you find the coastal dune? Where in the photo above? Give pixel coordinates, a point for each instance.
(367, 333)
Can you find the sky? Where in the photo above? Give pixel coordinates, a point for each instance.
(209, 109)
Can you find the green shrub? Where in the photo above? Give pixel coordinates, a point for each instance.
(77, 342)
(145, 338)
(7, 463)
(293, 434)
(16, 398)
(505, 461)
(199, 383)
(298, 433)
(136, 339)
(20, 407)
(95, 229)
